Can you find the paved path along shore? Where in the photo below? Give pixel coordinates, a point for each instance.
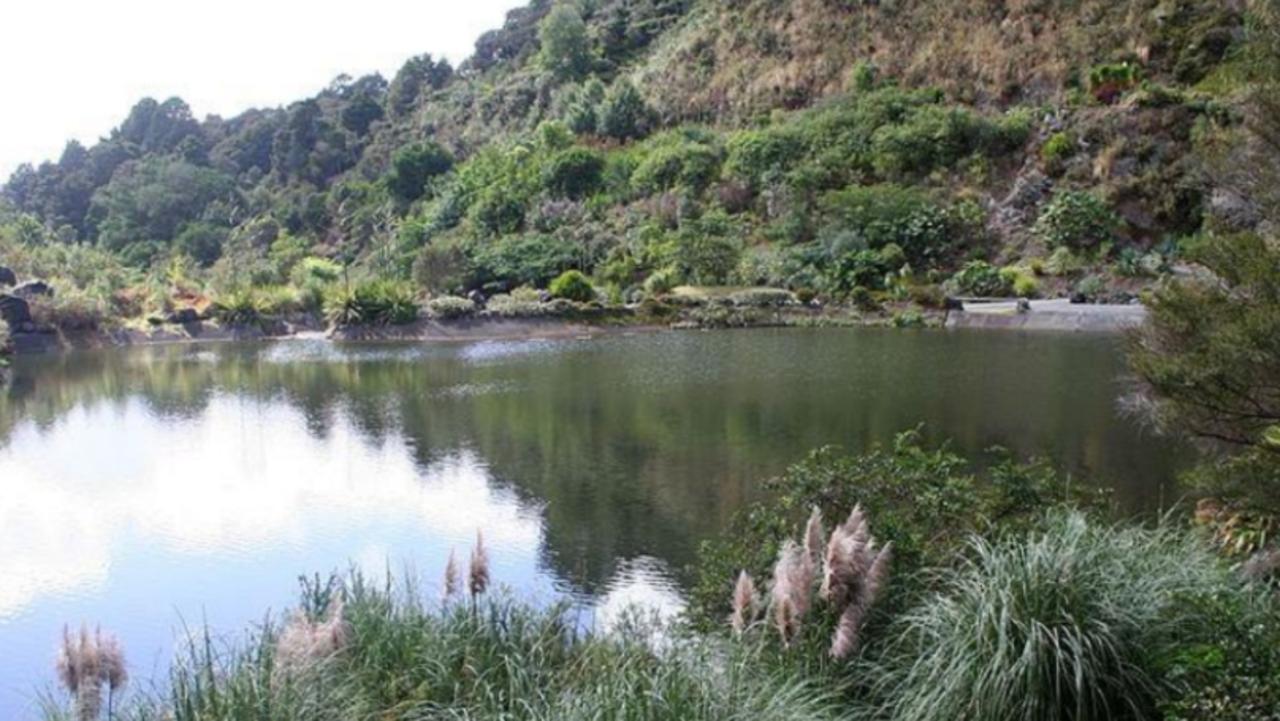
(1054, 315)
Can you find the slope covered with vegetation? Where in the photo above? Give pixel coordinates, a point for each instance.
(846, 150)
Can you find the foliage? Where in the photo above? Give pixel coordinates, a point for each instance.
(574, 173)
(402, 656)
(982, 279)
(449, 307)
(413, 167)
(1058, 149)
(572, 285)
(374, 302)
(1109, 81)
(624, 115)
(924, 499)
(1205, 358)
(877, 216)
(1077, 220)
(566, 50)
(239, 308)
(1060, 624)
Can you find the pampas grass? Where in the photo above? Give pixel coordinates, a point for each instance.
(85, 664)
(452, 579)
(478, 576)
(407, 658)
(744, 604)
(305, 643)
(853, 572)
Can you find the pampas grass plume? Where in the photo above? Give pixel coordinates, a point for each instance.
(744, 603)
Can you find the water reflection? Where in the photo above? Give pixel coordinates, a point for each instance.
(199, 481)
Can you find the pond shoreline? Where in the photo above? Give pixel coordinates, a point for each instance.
(1044, 316)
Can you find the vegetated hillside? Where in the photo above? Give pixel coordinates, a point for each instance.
(852, 149)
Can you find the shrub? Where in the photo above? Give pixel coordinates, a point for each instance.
(572, 285)
(760, 157)
(880, 215)
(980, 278)
(762, 298)
(378, 302)
(662, 281)
(1108, 82)
(448, 307)
(1058, 149)
(70, 309)
(1060, 624)
(1020, 281)
(624, 114)
(689, 165)
(574, 173)
(1063, 262)
(414, 166)
(239, 307)
(1091, 287)
(1078, 220)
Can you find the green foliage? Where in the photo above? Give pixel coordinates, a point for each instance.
(1207, 355)
(1060, 624)
(574, 173)
(526, 259)
(374, 302)
(624, 115)
(1109, 81)
(413, 167)
(448, 307)
(926, 500)
(566, 49)
(202, 242)
(707, 249)
(982, 279)
(239, 308)
(1020, 282)
(1078, 220)
(1058, 149)
(760, 157)
(572, 285)
(877, 216)
(402, 655)
(676, 161)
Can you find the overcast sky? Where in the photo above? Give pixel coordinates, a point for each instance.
(73, 68)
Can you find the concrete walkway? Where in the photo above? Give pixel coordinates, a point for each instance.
(1054, 315)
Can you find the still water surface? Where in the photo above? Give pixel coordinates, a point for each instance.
(150, 488)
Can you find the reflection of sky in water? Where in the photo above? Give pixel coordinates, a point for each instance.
(117, 516)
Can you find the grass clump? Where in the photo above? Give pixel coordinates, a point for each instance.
(389, 654)
(377, 302)
(1061, 624)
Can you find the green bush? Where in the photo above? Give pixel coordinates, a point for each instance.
(1078, 220)
(881, 215)
(624, 115)
(574, 173)
(762, 298)
(661, 282)
(1058, 149)
(1020, 281)
(572, 285)
(1109, 81)
(982, 279)
(676, 165)
(376, 302)
(1062, 624)
(760, 157)
(414, 166)
(240, 307)
(448, 307)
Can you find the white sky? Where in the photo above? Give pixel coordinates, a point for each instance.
(73, 68)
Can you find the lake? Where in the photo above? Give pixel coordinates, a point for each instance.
(150, 489)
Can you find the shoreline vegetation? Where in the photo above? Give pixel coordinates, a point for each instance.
(1004, 594)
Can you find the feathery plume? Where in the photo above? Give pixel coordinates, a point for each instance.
(451, 575)
(792, 584)
(744, 603)
(813, 536)
(876, 576)
(845, 639)
(479, 572)
(111, 667)
(303, 643)
(79, 670)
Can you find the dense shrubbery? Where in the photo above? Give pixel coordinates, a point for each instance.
(1077, 220)
(376, 302)
(572, 285)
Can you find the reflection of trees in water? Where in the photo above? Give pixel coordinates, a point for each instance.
(643, 446)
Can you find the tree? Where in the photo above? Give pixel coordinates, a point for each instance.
(566, 49)
(1208, 358)
(417, 75)
(624, 114)
(414, 166)
(574, 173)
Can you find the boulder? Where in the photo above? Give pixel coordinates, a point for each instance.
(15, 311)
(7, 277)
(32, 289)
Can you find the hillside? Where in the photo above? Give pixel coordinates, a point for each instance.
(866, 151)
